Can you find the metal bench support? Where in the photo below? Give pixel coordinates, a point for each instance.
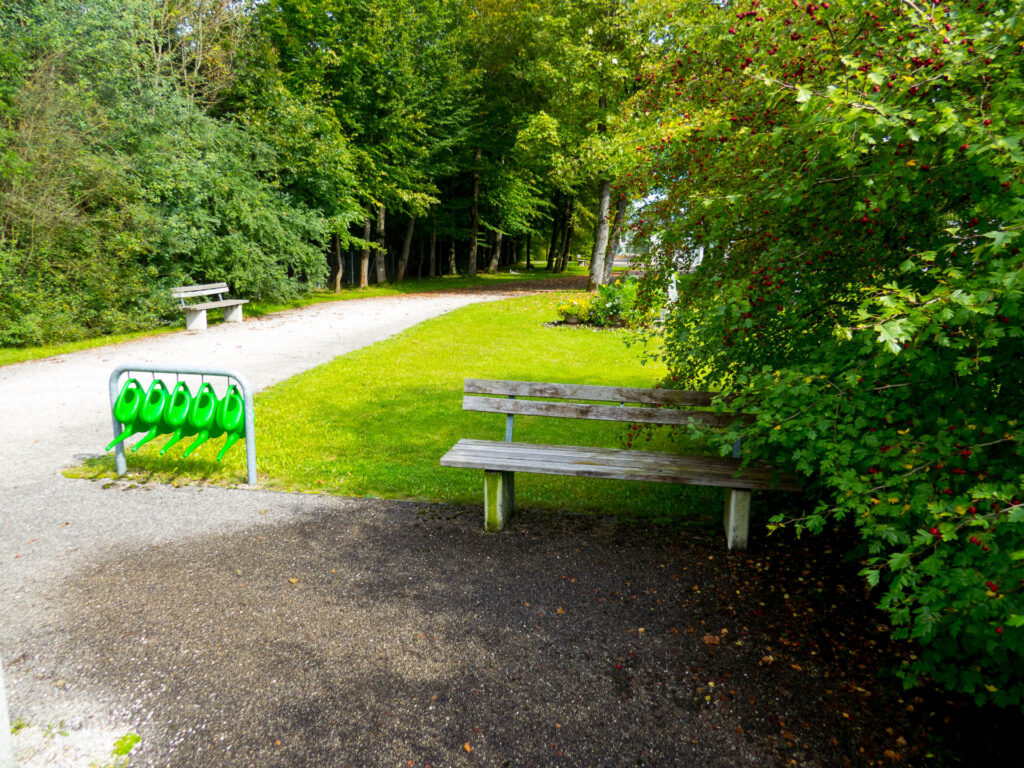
(243, 384)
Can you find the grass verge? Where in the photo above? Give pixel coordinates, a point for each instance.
(377, 421)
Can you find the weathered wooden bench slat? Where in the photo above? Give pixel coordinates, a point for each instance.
(588, 392)
(206, 289)
(626, 413)
(500, 449)
(613, 463)
(217, 304)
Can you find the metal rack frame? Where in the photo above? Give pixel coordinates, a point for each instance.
(250, 422)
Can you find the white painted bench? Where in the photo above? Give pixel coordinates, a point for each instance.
(500, 460)
(195, 314)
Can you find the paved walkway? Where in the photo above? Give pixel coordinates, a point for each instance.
(238, 627)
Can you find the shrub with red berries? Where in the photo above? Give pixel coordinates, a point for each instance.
(845, 183)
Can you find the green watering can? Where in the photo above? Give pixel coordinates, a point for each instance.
(202, 417)
(152, 411)
(175, 416)
(126, 410)
(231, 418)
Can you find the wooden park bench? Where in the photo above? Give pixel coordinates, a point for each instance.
(500, 460)
(195, 314)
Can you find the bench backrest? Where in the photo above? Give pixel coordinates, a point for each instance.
(191, 291)
(493, 396)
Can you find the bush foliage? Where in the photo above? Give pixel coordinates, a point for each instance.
(845, 182)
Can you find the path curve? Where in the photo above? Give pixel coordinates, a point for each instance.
(56, 410)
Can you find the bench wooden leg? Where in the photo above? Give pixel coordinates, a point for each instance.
(233, 314)
(737, 518)
(499, 498)
(195, 319)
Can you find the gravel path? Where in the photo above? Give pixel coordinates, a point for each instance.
(56, 413)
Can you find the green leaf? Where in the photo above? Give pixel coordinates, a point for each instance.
(899, 561)
(126, 744)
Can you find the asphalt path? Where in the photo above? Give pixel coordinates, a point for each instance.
(243, 627)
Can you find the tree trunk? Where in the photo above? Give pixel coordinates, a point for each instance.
(433, 252)
(474, 228)
(562, 258)
(566, 247)
(382, 251)
(403, 259)
(613, 240)
(364, 255)
(529, 239)
(596, 277)
(496, 256)
(420, 265)
(338, 264)
(556, 230)
(451, 259)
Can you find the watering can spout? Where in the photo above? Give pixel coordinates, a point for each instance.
(178, 434)
(153, 432)
(233, 437)
(123, 436)
(201, 438)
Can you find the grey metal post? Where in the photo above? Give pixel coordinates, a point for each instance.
(509, 422)
(250, 418)
(6, 742)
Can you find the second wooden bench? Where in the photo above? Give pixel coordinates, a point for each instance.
(500, 460)
(195, 314)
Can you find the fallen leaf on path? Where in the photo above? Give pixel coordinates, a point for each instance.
(711, 639)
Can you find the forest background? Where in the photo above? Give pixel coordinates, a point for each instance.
(834, 190)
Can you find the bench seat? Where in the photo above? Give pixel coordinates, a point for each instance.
(613, 464)
(217, 304)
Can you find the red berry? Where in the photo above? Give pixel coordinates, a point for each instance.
(999, 630)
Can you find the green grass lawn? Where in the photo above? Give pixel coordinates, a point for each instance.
(11, 355)
(377, 421)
